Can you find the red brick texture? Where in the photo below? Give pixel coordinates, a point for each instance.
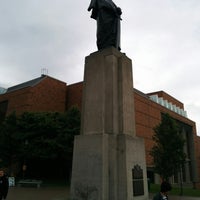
(48, 95)
(74, 95)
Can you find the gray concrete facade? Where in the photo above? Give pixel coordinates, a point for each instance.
(108, 154)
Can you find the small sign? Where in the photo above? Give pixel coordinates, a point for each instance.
(138, 181)
(11, 181)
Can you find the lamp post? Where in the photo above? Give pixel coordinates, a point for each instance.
(24, 166)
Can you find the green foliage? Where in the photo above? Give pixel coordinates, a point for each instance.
(8, 140)
(41, 136)
(168, 153)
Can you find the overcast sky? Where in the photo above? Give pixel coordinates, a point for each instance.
(162, 37)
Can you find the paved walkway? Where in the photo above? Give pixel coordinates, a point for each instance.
(57, 193)
(183, 198)
(179, 197)
(43, 193)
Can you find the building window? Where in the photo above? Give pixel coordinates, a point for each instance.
(3, 109)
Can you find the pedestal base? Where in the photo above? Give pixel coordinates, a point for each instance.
(106, 167)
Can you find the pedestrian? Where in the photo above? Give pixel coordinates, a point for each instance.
(3, 185)
(164, 189)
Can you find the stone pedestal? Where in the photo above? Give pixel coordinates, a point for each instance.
(108, 160)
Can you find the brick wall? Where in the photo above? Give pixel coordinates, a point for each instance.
(17, 101)
(74, 95)
(48, 95)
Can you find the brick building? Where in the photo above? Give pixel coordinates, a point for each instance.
(40, 94)
(48, 94)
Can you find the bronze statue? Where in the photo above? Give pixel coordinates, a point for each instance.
(108, 19)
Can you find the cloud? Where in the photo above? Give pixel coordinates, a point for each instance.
(161, 37)
(39, 34)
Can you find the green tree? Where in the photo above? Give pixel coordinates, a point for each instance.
(40, 139)
(9, 145)
(168, 153)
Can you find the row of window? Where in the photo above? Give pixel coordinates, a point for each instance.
(168, 105)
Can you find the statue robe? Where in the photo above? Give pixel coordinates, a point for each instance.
(108, 19)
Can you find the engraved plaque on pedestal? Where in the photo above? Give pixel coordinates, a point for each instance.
(138, 181)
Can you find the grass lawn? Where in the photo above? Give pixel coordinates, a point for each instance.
(187, 191)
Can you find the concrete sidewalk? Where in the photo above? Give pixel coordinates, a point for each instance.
(43, 193)
(171, 197)
(58, 193)
(183, 198)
